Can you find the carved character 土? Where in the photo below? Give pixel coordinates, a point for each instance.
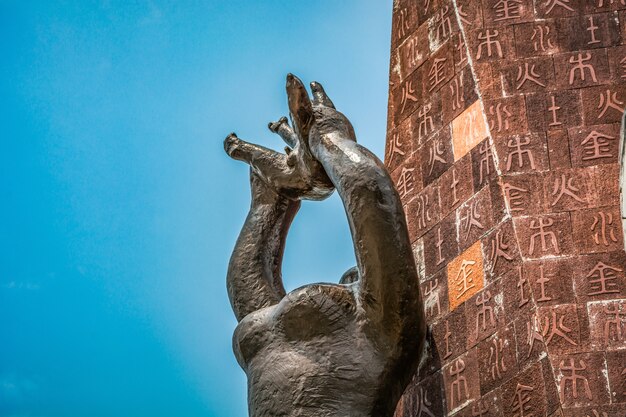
(323, 350)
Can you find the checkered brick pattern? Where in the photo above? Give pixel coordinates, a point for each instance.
(503, 138)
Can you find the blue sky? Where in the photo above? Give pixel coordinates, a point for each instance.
(119, 208)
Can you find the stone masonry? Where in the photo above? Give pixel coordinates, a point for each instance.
(503, 141)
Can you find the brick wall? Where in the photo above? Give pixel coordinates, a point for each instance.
(503, 140)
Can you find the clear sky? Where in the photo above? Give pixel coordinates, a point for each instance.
(119, 208)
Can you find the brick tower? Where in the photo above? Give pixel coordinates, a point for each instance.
(503, 140)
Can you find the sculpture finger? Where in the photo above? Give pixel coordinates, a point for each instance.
(320, 97)
(300, 108)
(282, 128)
(245, 151)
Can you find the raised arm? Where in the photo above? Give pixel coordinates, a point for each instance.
(278, 183)
(389, 285)
(254, 273)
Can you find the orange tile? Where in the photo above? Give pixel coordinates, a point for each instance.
(468, 130)
(465, 275)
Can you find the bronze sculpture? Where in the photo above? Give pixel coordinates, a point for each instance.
(346, 349)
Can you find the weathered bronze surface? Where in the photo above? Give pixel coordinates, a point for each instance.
(346, 349)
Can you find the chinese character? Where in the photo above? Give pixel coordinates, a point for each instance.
(423, 214)
(405, 182)
(488, 37)
(502, 114)
(514, 197)
(498, 250)
(462, 52)
(413, 54)
(485, 310)
(444, 28)
(520, 401)
(432, 298)
(396, 147)
(456, 86)
(455, 182)
(555, 328)
(533, 333)
(542, 282)
(592, 29)
(471, 219)
(479, 409)
(423, 404)
(459, 384)
(529, 74)
(609, 100)
(486, 156)
(407, 94)
(580, 67)
(540, 38)
(564, 187)
(435, 155)
(615, 321)
(542, 234)
(516, 144)
(573, 378)
(507, 9)
(403, 24)
(553, 3)
(553, 108)
(603, 275)
(495, 359)
(423, 127)
(601, 220)
(520, 284)
(463, 15)
(436, 74)
(596, 146)
(463, 279)
(439, 245)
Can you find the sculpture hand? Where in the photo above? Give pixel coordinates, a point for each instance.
(296, 174)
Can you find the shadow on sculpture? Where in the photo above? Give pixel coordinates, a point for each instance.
(347, 349)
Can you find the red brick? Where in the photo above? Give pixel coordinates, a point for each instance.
(475, 218)
(537, 38)
(528, 75)
(558, 149)
(461, 381)
(542, 236)
(436, 155)
(557, 8)
(456, 185)
(554, 110)
(600, 276)
(440, 245)
(597, 230)
(423, 211)
(523, 153)
(604, 104)
(551, 281)
(506, 116)
(413, 52)
(581, 379)
(570, 68)
(499, 13)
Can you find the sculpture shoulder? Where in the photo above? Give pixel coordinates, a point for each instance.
(315, 310)
(307, 313)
